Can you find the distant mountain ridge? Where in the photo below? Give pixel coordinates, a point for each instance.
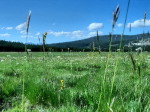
(104, 41)
(130, 42)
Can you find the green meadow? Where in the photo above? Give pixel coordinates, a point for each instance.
(75, 82)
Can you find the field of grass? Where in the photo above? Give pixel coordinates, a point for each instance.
(72, 82)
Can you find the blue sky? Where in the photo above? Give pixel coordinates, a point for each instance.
(68, 20)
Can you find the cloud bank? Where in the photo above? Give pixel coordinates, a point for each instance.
(73, 34)
(95, 26)
(21, 26)
(139, 23)
(91, 34)
(7, 28)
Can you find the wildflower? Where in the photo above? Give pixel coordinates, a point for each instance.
(61, 81)
(62, 84)
(2, 60)
(58, 57)
(8, 56)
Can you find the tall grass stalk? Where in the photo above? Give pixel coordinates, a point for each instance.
(130, 28)
(93, 47)
(115, 18)
(115, 70)
(23, 94)
(133, 61)
(113, 80)
(120, 47)
(124, 25)
(27, 29)
(44, 42)
(39, 43)
(144, 20)
(98, 41)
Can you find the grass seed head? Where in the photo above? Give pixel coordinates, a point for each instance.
(44, 38)
(115, 16)
(97, 37)
(144, 18)
(28, 21)
(130, 27)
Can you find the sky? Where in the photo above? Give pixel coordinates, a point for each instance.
(69, 20)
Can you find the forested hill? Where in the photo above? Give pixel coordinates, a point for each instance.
(16, 46)
(79, 45)
(7, 46)
(104, 42)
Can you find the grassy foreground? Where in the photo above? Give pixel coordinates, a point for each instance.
(71, 82)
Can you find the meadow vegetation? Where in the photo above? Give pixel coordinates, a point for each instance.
(76, 81)
(68, 81)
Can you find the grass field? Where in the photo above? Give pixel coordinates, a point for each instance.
(75, 82)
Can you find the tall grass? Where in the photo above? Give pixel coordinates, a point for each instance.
(44, 41)
(82, 75)
(27, 29)
(143, 36)
(23, 78)
(103, 87)
(76, 81)
(124, 25)
(120, 49)
(98, 41)
(115, 18)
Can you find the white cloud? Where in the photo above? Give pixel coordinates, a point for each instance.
(73, 34)
(5, 35)
(21, 26)
(57, 34)
(139, 23)
(95, 26)
(7, 28)
(119, 24)
(78, 34)
(29, 36)
(91, 34)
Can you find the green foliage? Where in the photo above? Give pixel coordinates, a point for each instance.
(84, 82)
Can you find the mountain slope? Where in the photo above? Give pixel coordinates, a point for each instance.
(104, 41)
(129, 42)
